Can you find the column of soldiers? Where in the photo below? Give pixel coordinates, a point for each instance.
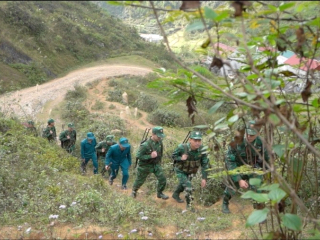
(188, 158)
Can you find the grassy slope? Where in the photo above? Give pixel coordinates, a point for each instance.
(41, 40)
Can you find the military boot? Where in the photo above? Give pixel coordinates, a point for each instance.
(176, 197)
(83, 168)
(134, 194)
(110, 180)
(162, 196)
(225, 205)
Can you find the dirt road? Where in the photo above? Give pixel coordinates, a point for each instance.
(28, 102)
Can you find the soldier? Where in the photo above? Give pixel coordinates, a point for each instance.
(68, 138)
(31, 128)
(149, 155)
(88, 152)
(188, 158)
(50, 131)
(102, 148)
(250, 151)
(118, 156)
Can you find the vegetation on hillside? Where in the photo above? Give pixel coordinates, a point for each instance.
(288, 122)
(41, 40)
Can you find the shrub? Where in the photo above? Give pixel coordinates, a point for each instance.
(98, 106)
(164, 117)
(115, 95)
(111, 106)
(79, 93)
(74, 111)
(146, 102)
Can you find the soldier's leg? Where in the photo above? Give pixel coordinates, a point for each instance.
(142, 174)
(227, 194)
(95, 163)
(84, 165)
(162, 181)
(125, 174)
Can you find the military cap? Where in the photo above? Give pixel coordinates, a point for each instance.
(158, 131)
(109, 138)
(50, 121)
(251, 129)
(196, 135)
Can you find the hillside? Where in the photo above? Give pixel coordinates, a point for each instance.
(42, 40)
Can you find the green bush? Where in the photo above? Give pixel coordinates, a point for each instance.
(115, 95)
(98, 106)
(146, 102)
(164, 117)
(74, 111)
(79, 93)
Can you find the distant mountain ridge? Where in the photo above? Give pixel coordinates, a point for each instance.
(41, 39)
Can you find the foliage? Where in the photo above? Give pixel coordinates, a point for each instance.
(288, 122)
(41, 40)
(164, 117)
(146, 102)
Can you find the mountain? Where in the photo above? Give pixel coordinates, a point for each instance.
(40, 40)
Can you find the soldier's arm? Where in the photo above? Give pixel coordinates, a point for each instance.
(98, 147)
(47, 132)
(129, 155)
(177, 153)
(108, 156)
(204, 166)
(231, 163)
(143, 152)
(63, 136)
(82, 150)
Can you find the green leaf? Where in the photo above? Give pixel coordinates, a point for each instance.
(259, 197)
(209, 13)
(279, 149)
(215, 107)
(196, 25)
(255, 181)
(257, 216)
(272, 8)
(285, 6)
(292, 221)
(276, 195)
(233, 119)
(221, 126)
(279, 101)
(269, 187)
(219, 121)
(222, 16)
(315, 22)
(274, 119)
(241, 94)
(315, 102)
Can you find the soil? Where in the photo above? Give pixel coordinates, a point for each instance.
(40, 100)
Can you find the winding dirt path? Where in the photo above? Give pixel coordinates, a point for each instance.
(30, 101)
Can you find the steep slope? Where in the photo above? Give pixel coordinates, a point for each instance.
(41, 40)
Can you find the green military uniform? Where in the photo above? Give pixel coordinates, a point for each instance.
(185, 169)
(68, 143)
(31, 129)
(46, 132)
(240, 154)
(102, 154)
(147, 165)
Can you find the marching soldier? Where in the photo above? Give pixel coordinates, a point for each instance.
(188, 158)
(149, 155)
(250, 151)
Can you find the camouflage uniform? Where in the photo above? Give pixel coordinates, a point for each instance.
(102, 154)
(31, 129)
(68, 143)
(147, 165)
(46, 133)
(185, 169)
(240, 154)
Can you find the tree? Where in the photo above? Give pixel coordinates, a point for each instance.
(289, 121)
